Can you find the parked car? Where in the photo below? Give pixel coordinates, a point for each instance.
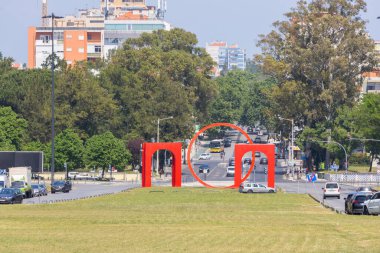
(72, 175)
(230, 171)
(204, 168)
(346, 200)
(331, 189)
(37, 177)
(372, 205)
(231, 162)
(250, 130)
(257, 140)
(255, 188)
(43, 190)
(263, 160)
(84, 176)
(365, 189)
(10, 196)
(205, 156)
(356, 203)
(257, 154)
(36, 190)
(61, 186)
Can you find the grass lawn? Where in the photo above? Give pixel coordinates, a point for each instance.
(186, 220)
(360, 168)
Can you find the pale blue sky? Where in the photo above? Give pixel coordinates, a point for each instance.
(237, 21)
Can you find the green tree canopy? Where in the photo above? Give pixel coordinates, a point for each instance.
(12, 129)
(104, 150)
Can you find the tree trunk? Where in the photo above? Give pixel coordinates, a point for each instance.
(103, 172)
(372, 158)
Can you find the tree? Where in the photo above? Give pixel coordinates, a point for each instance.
(12, 129)
(157, 75)
(134, 146)
(104, 150)
(366, 118)
(316, 58)
(69, 149)
(5, 64)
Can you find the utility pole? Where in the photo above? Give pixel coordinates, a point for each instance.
(327, 150)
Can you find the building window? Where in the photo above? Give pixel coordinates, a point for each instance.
(69, 36)
(81, 50)
(80, 37)
(98, 49)
(45, 38)
(89, 37)
(69, 49)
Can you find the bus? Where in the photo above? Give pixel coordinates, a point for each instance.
(216, 146)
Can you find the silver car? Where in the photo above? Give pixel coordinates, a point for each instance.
(255, 188)
(372, 206)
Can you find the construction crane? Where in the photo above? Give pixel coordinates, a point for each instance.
(44, 21)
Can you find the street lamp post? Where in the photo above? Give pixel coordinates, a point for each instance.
(158, 140)
(291, 151)
(52, 16)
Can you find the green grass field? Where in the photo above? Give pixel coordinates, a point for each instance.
(186, 220)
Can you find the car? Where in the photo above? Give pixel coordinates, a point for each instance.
(205, 156)
(247, 160)
(249, 130)
(331, 189)
(227, 143)
(257, 154)
(263, 160)
(204, 168)
(231, 162)
(365, 189)
(43, 189)
(72, 175)
(60, 186)
(230, 172)
(247, 187)
(37, 177)
(356, 203)
(372, 205)
(36, 190)
(346, 200)
(84, 176)
(11, 196)
(257, 140)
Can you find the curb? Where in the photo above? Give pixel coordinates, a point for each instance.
(324, 205)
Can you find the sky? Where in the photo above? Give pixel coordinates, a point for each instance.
(237, 21)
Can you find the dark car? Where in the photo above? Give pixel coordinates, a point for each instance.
(227, 143)
(250, 130)
(346, 200)
(257, 140)
(10, 196)
(263, 161)
(37, 177)
(204, 168)
(231, 162)
(247, 160)
(356, 203)
(60, 186)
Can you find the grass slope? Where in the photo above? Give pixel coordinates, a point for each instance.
(186, 220)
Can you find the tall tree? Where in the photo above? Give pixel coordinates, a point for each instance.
(159, 75)
(12, 129)
(317, 57)
(104, 150)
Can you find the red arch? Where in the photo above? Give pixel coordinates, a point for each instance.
(267, 149)
(149, 149)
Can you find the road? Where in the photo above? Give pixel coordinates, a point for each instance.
(82, 190)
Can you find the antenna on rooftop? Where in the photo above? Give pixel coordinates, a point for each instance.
(161, 9)
(44, 21)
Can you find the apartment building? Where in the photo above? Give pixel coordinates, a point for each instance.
(94, 33)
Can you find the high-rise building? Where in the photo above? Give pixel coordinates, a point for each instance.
(226, 57)
(93, 33)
